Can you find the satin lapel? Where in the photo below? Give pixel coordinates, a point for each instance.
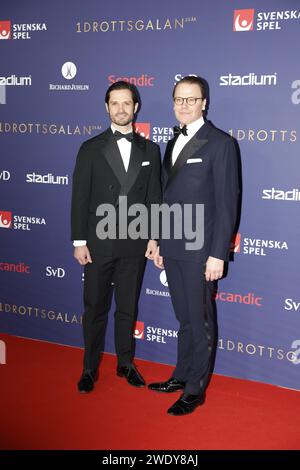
(135, 164)
(112, 154)
(191, 147)
(167, 163)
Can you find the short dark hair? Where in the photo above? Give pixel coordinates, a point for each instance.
(192, 80)
(122, 85)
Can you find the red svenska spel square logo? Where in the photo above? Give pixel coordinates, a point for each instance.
(143, 128)
(236, 243)
(5, 28)
(5, 219)
(243, 20)
(139, 330)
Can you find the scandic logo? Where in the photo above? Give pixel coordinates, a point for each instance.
(141, 80)
(243, 20)
(5, 219)
(143, 128)
(139, 330)
(15, 268)
(5, 30)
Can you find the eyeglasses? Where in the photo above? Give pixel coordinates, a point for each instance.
(191, 101)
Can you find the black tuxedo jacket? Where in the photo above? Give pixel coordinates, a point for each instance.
(205, 172)
(100, 177)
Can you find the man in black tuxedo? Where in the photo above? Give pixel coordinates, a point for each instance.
(116, 163)
(200, 167)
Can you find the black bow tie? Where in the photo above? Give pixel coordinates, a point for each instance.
(180, 130)
(118, 135)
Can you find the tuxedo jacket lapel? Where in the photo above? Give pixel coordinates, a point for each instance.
(113, 157)
(135, 164)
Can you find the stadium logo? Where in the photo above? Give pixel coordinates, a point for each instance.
(251, 79)
(281, 195)
(47, 179)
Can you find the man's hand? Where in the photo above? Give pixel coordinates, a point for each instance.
(151, 249)
(82, 254)
(158, 260)
(214, 269)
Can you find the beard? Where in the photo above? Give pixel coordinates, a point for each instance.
(122, 119)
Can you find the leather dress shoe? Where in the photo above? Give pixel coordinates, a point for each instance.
(86, 382)
(171, 385)
(132, 375)
(186, 404)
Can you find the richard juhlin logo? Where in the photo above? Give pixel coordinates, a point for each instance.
(5, 30)
(243, 20)
(139, 330)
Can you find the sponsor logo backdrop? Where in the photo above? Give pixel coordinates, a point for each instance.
(55, 68)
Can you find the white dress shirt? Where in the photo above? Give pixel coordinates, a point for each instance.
(124, 147)
(125, 151)
(182, 140)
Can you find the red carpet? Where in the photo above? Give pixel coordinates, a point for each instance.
(41, 408)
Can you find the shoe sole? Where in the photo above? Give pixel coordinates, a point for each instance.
(166, 391)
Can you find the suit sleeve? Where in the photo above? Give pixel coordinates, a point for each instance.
(154, 195)
(226, 189)
(81, 187)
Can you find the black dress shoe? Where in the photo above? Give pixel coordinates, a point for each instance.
(132, 375)
(86, 382)
(186, 404)
(171, 385)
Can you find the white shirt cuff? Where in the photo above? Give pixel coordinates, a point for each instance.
(79, 243)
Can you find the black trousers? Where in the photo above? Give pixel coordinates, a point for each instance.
(194, 307)
(127, 274)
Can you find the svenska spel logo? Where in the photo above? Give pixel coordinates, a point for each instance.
(243, 20)
(5, 30)
(2, 352)
(139, 330)
(236, 243)
(5, 219)
(143, 128)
